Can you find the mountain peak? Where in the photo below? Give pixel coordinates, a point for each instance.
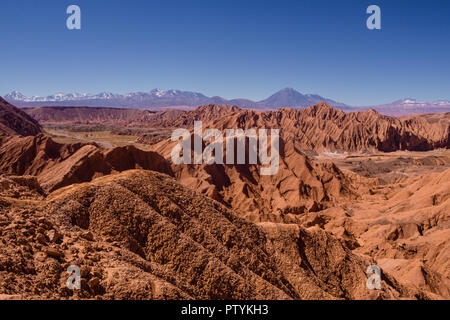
(289, 97)
(408, 101)
(14, 95)
(288, 89)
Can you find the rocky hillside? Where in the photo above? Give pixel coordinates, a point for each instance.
(140, 235)
(57, 165)
(14, 121)
(404, 226)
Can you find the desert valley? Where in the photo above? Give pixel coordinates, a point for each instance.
(95, 187)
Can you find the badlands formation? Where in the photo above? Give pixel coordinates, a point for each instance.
(353, 190)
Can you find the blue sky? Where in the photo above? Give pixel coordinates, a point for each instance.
(245, 48)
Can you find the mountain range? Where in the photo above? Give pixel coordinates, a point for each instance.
(157, 99)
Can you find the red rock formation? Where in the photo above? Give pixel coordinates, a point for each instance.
(299, 186)
(323, 128)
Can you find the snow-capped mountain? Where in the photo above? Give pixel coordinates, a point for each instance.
(411, 106)
(417, 103)
(15, 96)
(58, 97)
(442, 102)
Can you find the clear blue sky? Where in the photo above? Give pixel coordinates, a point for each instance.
(243, 48)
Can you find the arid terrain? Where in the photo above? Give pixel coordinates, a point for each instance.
(96, 188)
